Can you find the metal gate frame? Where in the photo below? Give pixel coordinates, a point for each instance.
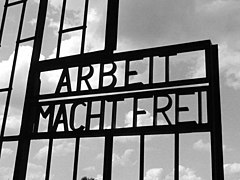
(29, 124)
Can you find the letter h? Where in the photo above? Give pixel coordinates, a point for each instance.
(96, 115)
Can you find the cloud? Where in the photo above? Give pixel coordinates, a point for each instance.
(232, 168)
(164, 22)
(35, 172)
(184, 174)
(154, 174)
(90, 169)
(99, 177)
(187, 174)
(168, 22)
(125, 159)
(230, 65)
(143, 120)
(13, 121)
(172, 22)
(201, 146)
(23, 60)
(41, 153)
(6, 173)
(95, 32)
(62, 148)
(19, 85)
(6, 152)
(55, 3)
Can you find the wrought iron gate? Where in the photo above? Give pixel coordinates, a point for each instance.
(34, 101)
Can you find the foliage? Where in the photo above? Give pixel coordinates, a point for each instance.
(86, 178)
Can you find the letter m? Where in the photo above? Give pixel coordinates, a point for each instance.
(48, 112)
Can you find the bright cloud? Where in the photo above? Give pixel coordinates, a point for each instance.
(184, 174)
(6, 152)
(230, 65)
(35, 172)
(19, 85)
(90, 168)
(41, 153)
(6, 173)
(172, 23)
(232, 168)
(201, 146)
(125, 159)
(154, 174)
(99, 177)
(59, 149)
(187, 174)
(143, 120)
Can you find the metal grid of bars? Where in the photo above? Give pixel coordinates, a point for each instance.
(19, 40)
(29, 127)
(83, 27)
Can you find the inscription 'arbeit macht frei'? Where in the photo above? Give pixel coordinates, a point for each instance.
(63, 113)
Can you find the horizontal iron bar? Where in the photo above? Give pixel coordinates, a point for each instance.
(175, 85)
(106, 57)
(5, 89)
(140, 94)
(10, 138)
(26, 39)
(15, 3)
(73, 29)
(184, 127)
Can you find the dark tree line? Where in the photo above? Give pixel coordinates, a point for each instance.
(86, 178)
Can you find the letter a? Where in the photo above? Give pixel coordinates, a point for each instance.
(61, 118)
(62, 82)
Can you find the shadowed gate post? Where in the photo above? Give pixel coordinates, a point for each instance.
(216, 133)
(30, 108)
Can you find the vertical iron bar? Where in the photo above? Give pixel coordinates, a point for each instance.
(151, 70)
(3, 20)
(88, 118)
(60, 29)
(142, 142)
(102, 111)
(176, 159)
(112, 25)
(176, 145)
(167, 69)
(84, 26)
(199, 107)
(114, 114)
(107, 169)
(76, 157)
(135, 107)
(216, 133)
(49, 159)
(30, 108)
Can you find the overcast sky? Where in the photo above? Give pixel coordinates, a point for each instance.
(142, 24)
